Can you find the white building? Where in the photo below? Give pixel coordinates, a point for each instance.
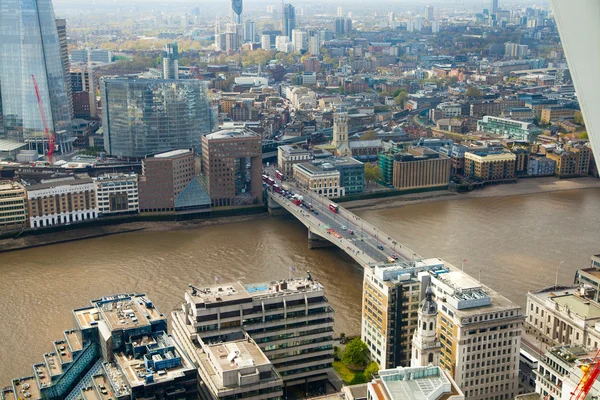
(288, 155)
(309, 78)
(435, 26)
(314, 45)
(283, 44)
(265, 42)
(414, 24)
(321, 179)
(117, 194)
(426, 346)
(299, 40)
(301, 97)
(290, 320)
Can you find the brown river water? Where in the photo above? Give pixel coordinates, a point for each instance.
(514, 243)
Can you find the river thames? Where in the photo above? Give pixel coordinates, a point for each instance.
(514, 243)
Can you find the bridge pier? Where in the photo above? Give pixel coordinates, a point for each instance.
(274, 208)
(316, 241)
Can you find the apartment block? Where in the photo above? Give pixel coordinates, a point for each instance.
(390, 309)
(119, 348)
(288, 155)
(13, 206)
(490, 166)
(321, 179)
(117, 194)
(541, 166)
(508, 128)
(232, 165)
(61, 202)
(290, 321)
(571, 160)
(555, 112)
(421, 167)
(480, 335)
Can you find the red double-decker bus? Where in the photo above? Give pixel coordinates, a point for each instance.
(334, 207)
(279, 175)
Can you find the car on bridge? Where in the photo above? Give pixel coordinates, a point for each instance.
(344, 227)
(380, 247)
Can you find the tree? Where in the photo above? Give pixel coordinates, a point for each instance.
(584, 135)
(473, 91)
(401, 98)
(578, 118)
(371, 370)
(355, 353)
(368, 135)
(373, 173)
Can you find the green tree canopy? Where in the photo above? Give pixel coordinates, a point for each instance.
(368, 135)
(371, 370)
(373, 173)
(356, 353)
(473, 91)
(401, 98)
(584, 135)
(578, 118)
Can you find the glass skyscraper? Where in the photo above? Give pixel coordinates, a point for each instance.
(30, 46)
(148, 116)
(289, 20)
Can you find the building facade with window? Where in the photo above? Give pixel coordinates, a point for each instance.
(117, 194)
(13, 206)
(490, 166)
(62, 202)
(321, 179)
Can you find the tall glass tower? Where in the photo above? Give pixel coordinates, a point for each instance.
(289, 20)
(30, 45)
(236, 11)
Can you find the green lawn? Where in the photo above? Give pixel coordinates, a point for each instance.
(351, 377)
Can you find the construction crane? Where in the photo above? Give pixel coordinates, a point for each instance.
(590, 371)
(49, 137)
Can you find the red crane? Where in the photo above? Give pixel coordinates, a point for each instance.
(590, 373)
(49, 136)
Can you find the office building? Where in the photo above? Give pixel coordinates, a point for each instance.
(236, 11)
(571, 160)
(391, 297)
(283, 44)
(83, 87)
(493, 7)
(83, 56)
(148, 116)
(290, 320)
(340, 11)
(237, 368)
(170, 61)
(288, 155)
(30, 47)
(61, 29)
(321, 179)
(164, 177)
(508, 128)
(117, 194)
(570, 17)
(429, 13)
(61, 202)
(314, 45)
(513, 50)
(555, 366)
(480, 334)
(232, 165)
(289, 20)
(555, 112)
(352, 172)
(435, 27)
(403, 383)
(13, 206)
(250, 31)
(421, 167)
(414, 24)
(490, 166)
(119, 348)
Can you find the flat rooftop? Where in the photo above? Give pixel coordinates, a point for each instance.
(232, 134)
(580, 306)
(27, 388)
(417, 383)
(237, 354)
(235, 291)
(172, 153)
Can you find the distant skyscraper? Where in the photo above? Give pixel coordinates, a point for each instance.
(171, 61)
(429, 13)
(299, 40)
(236, 11)
(30, 46)
(340, 11)
(61, 28)
(289, 20)
(494, 7)
(265, 42)
(435, 26)
(249, 31)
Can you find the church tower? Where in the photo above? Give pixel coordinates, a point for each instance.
(425, 344)
(340, 134)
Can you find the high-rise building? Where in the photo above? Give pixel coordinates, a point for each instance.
(342, 26)
(265, 42)
(391, 297)
(290, 321)
(250, 31)
(148, 116)
(340, 11)
(236, 11)
(480, 333)
(314, 45)
(30, 47)
(429, 13)
(299, 40)
(83, 86)
(570, 16)
(289, 20)
(13, 206)
(421, 167)
(83, 56)
(170, 61)
(232, 164)
(61, 29)
(435, 26)
(494, 7)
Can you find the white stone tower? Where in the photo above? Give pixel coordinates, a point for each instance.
(425, 343)
(340, 134)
